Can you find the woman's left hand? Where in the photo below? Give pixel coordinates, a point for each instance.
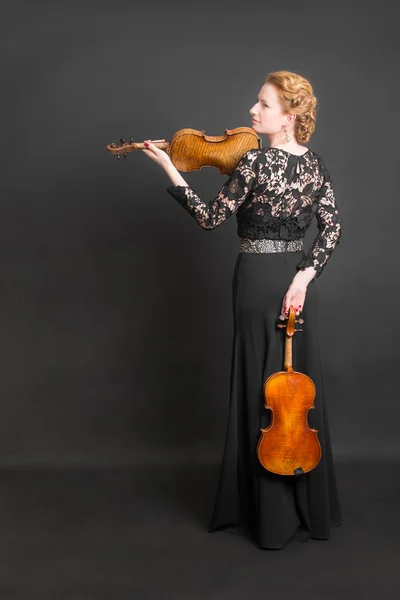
(159, 156)
(295, 295)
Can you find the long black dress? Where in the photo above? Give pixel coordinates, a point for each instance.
(275, 195)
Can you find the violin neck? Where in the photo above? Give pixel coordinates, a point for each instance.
(287, 361)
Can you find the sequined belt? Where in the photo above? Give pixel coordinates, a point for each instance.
(265, 245)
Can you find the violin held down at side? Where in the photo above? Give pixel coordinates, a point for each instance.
(288, 446)
(190, 149)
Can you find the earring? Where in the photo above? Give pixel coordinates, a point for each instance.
(287, 137)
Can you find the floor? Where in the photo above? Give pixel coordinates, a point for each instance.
(141, 534)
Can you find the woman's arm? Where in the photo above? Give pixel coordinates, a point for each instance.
(303, 277)
(174, 175)
(231, 196)
(312, 265)
(329, 226)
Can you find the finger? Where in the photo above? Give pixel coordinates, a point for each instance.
(149, 151)
(287, 306)
(150, 146)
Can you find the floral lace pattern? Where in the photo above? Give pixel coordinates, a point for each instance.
(275, 195)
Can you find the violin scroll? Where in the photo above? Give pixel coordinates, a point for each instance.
(291, 320)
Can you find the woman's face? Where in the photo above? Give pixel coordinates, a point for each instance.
(267, 113)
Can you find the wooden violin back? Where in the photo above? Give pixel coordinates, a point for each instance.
(288, 446)
(192, 150)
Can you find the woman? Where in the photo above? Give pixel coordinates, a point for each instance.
(275, 193)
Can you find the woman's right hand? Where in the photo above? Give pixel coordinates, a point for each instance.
(295, 295)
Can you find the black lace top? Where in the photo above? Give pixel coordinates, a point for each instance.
(275, 195)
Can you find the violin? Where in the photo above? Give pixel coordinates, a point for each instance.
(191, 149)
(288, 446)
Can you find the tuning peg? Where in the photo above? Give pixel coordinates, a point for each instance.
(284, 326)
(122, 141)
(125, 154)
(299, 320)
(131, 140)
(118, 156)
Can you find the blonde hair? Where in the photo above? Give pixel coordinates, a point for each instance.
(296, 95)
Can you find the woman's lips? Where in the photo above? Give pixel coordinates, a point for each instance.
(254, 121)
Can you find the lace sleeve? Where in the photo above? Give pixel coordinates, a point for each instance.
(329, 226)
(232, 194)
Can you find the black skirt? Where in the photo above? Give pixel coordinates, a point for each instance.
(270, 508)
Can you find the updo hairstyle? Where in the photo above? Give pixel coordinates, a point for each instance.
(295, 94)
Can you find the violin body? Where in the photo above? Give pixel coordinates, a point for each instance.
(289, 443)
(288, 446)
(191, 149)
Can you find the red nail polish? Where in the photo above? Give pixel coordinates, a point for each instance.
(146, 144)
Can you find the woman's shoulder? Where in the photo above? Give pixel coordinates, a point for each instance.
(250, 158)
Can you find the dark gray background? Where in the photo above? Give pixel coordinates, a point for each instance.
(116, 307)
(116, 319)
